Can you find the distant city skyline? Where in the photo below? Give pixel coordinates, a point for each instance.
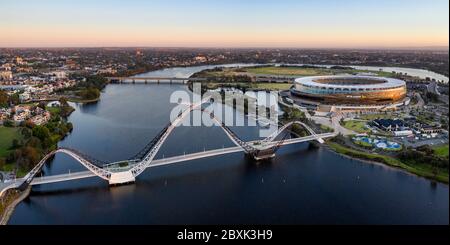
(225, 23)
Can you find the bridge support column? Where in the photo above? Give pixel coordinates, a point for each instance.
(121, 178)
(264, 155)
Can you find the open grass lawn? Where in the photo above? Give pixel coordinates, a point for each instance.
(441, 150)
(53, 110)
(274, 86)
(7, 135)
(371, 117)
(291, 71)
(356, 126)
(301, 71)
(264, 86)
(363, 143)
(419, 169)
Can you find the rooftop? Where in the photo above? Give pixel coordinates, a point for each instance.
(350, 81)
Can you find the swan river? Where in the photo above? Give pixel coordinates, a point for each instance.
(303, 184)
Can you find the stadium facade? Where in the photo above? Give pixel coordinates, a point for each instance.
(350, 90)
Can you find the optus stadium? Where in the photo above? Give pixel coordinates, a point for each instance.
(350, 90)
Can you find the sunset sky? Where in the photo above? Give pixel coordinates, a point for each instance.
(224, 23)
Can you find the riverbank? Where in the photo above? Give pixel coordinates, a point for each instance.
(26, 142)
(31, 143)
(11, 204)
(421, 171)
(83, 101)
(296, 170)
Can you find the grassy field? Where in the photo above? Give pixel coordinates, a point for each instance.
(291, 71)
(287, 71)
(326, 128)
(270, 70)
(441, 150)
(356, 126)
(274, 86)
(53, 110)
(7, 135)
(363, 143)
(423, 170)
(256, 86)
(371, 117)
(302, 71)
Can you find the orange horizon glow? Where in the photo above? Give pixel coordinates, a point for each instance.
(84, 25)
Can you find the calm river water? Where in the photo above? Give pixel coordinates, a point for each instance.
(302, 185)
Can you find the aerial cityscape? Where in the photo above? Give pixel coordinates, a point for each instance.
(249, 118)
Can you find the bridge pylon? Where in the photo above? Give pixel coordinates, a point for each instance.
(121, 178)
(262, 155)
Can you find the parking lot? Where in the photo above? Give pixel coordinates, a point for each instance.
(432, 142)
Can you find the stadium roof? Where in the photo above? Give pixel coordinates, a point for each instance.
(378, 82)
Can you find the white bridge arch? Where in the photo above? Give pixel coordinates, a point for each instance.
(259, 150)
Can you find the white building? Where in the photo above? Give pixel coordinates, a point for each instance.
(403, 133)
(200, 58)
(24, 97)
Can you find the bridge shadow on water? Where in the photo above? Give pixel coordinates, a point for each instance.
(67, 191)
(196, 169)
(220, 180)
(238, 164)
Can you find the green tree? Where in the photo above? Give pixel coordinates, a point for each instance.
(26, 132)
(63, 101)
(41, 132)
(15, 143)
(90, 93)
(4, 98)
(8, 123)
(33, 142)
(42, 105)
(14, 99)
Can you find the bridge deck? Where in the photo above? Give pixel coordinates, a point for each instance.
(171, 160)
(156, 163)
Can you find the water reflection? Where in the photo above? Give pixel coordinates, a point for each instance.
(304, 184)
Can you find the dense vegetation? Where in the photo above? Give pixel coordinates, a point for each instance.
(421, 161)
(425, 154)
(32, 142)
(6, 100)
(220, 75)
(291, 114)
(87, 89)
(89, 93)
(431, 97)
(96, 81)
